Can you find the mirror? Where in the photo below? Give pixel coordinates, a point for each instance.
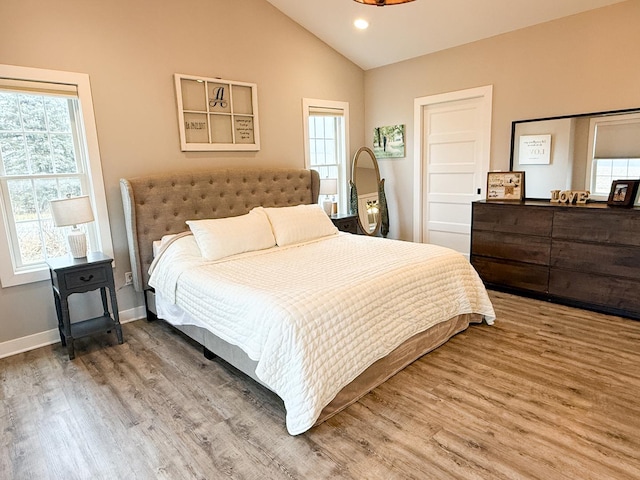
(367, 200)
(556, 153)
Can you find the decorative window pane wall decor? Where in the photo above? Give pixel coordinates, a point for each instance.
(216, 114)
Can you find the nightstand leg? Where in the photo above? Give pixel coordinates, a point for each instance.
(105, 308)
(116, 317)
(60, 324)
(66, 320)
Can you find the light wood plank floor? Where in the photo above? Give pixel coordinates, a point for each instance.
(548, 392)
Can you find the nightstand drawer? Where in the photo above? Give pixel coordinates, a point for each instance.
(86, 278)
(345, 223)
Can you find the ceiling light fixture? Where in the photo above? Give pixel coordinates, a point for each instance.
(382, 3)
(361, 23)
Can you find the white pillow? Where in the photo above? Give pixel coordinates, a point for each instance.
(299, 224)
(221, 237)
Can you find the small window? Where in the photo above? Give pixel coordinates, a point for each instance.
(48, 150)
(614, 152)
(326, 143)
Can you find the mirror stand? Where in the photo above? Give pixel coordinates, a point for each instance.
(367, 198)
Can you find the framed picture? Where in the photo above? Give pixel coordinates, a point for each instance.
(505, 186)
(388, 141)
(623, 193)
(216, 114)
(535, 149)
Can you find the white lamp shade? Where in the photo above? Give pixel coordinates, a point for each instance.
(328, 186)
(71, 211)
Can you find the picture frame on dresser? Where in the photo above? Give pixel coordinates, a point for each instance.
(505, 186)
(623, 193)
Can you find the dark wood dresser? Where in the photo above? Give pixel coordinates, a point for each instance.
(582, 255)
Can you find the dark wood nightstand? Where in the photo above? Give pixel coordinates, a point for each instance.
(346, 222)
(78, 275)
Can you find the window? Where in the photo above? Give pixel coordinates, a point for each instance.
(326, 142)
(615, 152)
(48, 150)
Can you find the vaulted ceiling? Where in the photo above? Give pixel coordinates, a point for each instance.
(400, 32)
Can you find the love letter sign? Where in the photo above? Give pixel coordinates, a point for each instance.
(570, 196)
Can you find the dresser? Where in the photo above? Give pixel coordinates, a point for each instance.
(582, 255)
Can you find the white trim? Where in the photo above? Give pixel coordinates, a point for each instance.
(486, 93)
(8, 276)
(49, 337)
(307, 105)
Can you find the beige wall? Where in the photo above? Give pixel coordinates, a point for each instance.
(584, 63)
(131, 49)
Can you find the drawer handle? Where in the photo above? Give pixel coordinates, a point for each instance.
(87, 279)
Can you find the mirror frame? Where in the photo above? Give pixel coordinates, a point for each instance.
(354, 163)
(560, 117)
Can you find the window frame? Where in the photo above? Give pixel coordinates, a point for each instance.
(594, 123)
(343, 166)
(9, 276)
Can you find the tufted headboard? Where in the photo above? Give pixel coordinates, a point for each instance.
(159, 205)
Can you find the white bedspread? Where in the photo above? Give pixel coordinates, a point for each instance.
(315, 316)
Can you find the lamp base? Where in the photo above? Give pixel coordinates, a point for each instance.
(77, 243)
(327, 205)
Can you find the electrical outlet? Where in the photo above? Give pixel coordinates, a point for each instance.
(128, 278)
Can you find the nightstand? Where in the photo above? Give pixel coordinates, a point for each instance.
(78, 275)
(345, 222)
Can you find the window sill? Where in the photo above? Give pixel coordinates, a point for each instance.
(12, 279)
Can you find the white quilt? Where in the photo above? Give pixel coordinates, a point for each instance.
(315, 316)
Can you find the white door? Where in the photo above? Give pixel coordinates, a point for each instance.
(453, 160)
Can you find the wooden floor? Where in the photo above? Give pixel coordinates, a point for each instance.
(548, 392)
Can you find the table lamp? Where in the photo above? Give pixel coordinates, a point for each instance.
(328, 186)
(73, 211)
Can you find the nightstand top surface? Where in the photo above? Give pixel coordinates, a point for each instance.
(340, 216)
(68, 261)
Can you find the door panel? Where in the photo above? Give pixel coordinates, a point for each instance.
(453, 166)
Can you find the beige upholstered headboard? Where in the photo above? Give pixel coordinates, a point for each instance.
(159, 205)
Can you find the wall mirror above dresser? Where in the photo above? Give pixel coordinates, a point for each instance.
(586, 151)
(368, 200)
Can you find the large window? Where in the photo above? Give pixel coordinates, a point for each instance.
(48, 150)
(614, 150)
(326, 142)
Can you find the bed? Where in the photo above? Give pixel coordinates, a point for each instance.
(262, 279)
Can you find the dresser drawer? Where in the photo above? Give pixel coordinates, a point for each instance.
(509, 246)
(513, 219)
(521, 276)
(605, 226)
(85, 278)
(604, 259)
(617, 294)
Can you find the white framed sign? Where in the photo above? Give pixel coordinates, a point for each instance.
(216, 114)
(534, 150)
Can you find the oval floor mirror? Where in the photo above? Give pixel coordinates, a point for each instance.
(367, 198)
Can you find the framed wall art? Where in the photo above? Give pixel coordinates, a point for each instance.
(388, 142)
(535, 149)
(505, 186)
(216, 114)
(623, 193)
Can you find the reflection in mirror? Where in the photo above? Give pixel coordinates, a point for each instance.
(368, 201)
(576, 152)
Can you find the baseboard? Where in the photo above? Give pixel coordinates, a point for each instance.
(49, 337)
